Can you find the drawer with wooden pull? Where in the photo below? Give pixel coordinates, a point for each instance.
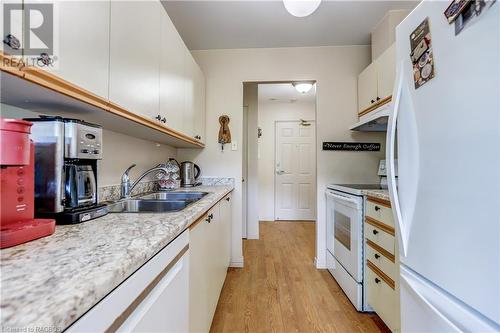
(379, 210)
(380, 234)
(382, 296)
(381, 258)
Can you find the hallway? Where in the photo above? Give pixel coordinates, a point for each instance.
(279, 290)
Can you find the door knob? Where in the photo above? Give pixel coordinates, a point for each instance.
(377, 280)
(376, 256)
(377, 208)
(375, 232)
(280, 172)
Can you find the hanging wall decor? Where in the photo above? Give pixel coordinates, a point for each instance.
(224, 132)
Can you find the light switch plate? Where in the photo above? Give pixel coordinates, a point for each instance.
(234, 145)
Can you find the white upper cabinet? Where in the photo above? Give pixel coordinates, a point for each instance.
(376, 82)
(135, 56)
(199, 104)
(367, 87)
(83, 44)
(386, 72)
(194, 116)
(172, 75)
(189, 112)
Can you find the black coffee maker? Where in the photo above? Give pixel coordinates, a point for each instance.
(66, 155)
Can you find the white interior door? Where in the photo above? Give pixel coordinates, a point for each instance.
(295, 173)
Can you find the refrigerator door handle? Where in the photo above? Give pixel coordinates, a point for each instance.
(390, 157)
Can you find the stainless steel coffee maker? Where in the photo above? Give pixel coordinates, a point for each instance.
(66, 155)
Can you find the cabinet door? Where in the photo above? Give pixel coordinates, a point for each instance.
(199, 320)
(13, 11)
(214, 275)
(225, 214)
(135, 56)
(83, 44)
(199, 104)
(189, 111)
(367, 87)
(166, 308)
(386, 72)
(172, 75)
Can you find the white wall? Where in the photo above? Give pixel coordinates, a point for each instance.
(334, 68)
(119, 151)
(251, 102)
(269, 113)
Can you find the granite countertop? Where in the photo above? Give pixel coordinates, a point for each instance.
(50, 282)
(380, 194)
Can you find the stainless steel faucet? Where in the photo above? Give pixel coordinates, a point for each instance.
(126, 188)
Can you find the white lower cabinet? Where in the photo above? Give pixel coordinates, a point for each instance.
(153, 299)
(175, 291)
(383, 299)
(210, 253)
(382, 265)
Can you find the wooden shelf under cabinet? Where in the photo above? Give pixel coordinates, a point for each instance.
(37, 90)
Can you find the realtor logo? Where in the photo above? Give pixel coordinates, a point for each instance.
(29, 30)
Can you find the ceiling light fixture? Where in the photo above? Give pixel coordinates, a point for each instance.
(303, 87)
(301, 8)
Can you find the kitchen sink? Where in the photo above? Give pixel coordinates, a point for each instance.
(158, 202)
(174, 196)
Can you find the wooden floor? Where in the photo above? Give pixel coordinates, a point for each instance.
(279, 290)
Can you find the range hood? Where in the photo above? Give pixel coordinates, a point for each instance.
(375, 121)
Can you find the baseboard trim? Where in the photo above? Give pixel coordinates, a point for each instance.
(319, 264)
(237, 262)
(252, 236)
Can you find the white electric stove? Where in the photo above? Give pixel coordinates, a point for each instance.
(344, 236)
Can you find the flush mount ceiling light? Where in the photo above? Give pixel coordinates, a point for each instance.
(301, 8)
(303, 87)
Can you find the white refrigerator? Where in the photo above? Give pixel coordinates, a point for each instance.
(446, 137)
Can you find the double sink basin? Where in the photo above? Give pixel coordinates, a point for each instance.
(156, 202)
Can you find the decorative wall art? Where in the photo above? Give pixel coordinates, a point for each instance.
(224, 132)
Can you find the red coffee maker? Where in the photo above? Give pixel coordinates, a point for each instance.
(17, 189)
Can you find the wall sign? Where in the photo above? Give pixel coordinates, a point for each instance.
(351, 146)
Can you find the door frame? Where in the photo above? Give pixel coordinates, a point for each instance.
(315, 167)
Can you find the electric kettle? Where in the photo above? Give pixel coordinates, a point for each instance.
(189, 173)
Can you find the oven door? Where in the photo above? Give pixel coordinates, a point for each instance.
(344, 231)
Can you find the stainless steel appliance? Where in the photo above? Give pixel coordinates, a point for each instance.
(66, 155)
(189, 174)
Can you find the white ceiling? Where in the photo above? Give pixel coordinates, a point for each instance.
(284, 93)
(259, 23)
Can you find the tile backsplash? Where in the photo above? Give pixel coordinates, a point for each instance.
(112, 192)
